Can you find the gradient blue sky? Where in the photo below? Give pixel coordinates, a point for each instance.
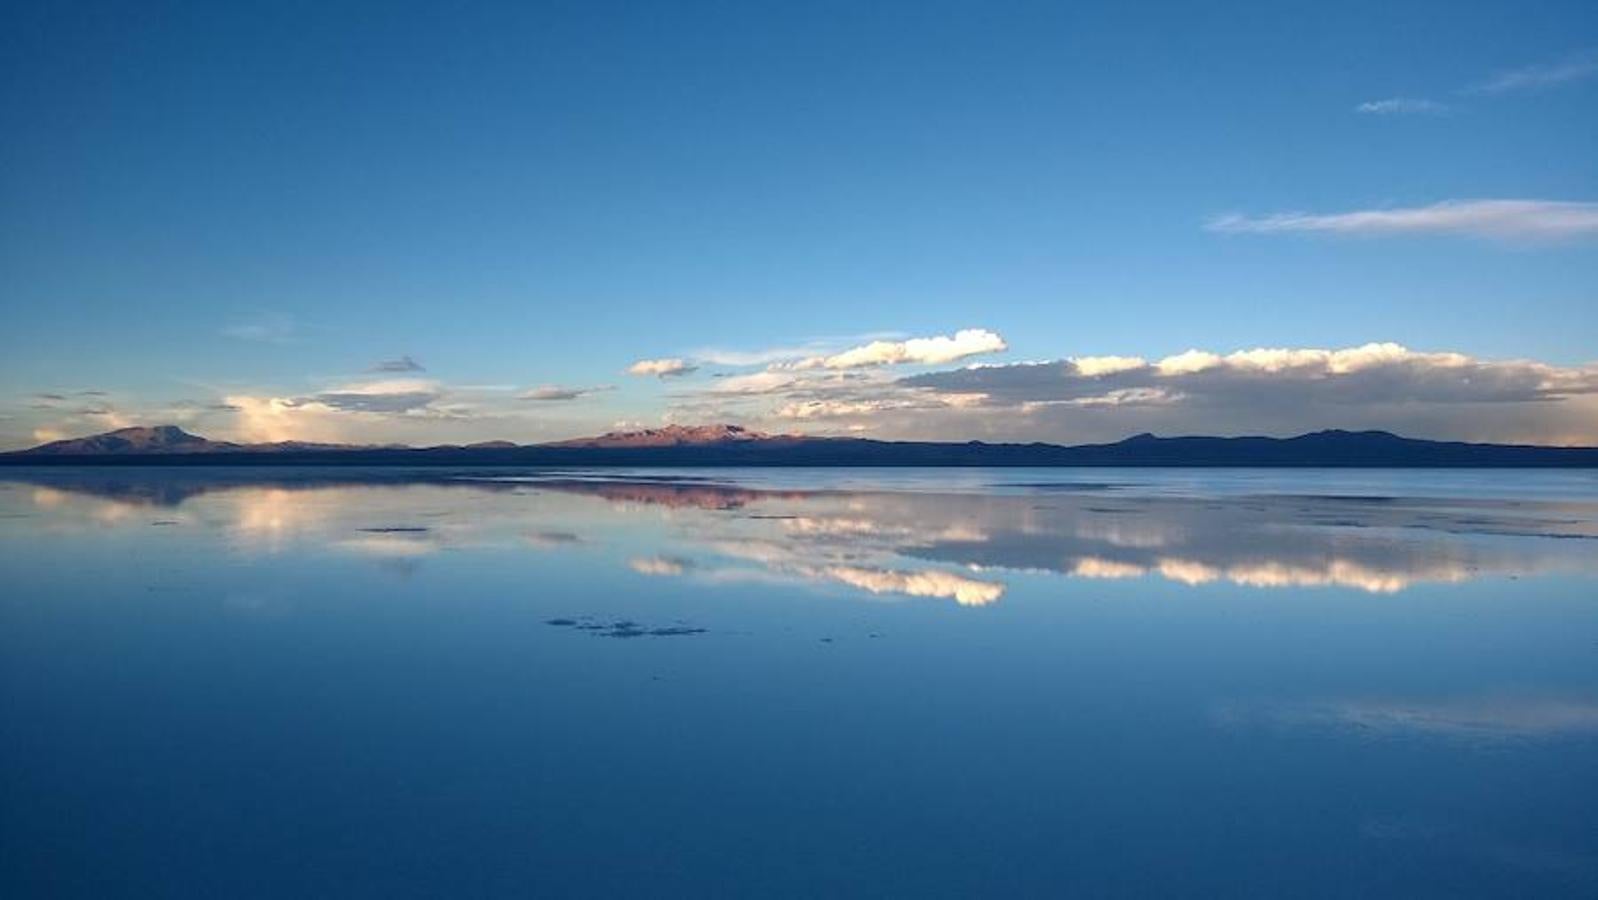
(210, 202)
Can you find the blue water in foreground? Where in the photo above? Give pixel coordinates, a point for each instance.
(968, 683)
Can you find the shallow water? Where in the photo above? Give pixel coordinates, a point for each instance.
(243, 683)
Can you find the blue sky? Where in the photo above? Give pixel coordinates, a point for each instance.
(211, 202)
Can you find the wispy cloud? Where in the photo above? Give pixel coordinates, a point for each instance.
(1402, 106)
(555, 393)
(402, 364)
(1540, 77)
(271, 328)
(662, 368)
(1504, 220)
(820, 346)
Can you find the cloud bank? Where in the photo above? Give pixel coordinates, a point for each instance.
(1280, 391)
(1372, 373)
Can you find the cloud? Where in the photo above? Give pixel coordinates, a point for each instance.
(549, 393)
(1504, 220)
(357, 401)
(335, 414)
(926, 583)
(1278, 391)
(1402, 106)
(660, 565)
(1493, 717)
(662, 368)
(400, 395)
(1539, 77)
(916, 351)
(272, 328)
(1372, 373)
(402, 364)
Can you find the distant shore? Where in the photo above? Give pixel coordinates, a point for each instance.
(1325, 449)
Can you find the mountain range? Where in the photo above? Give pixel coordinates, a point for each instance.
(733, 445)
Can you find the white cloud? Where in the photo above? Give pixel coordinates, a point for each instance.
(1537, 77)
(916, 351)
(1512, 220)
(755, 383)
(1093, 366)
(662, 368)
(555, 393)
(659, 565)
(926, 583)
(1402, 106)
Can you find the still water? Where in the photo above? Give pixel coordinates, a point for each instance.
(494, 683)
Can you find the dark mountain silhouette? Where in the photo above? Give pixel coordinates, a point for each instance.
(731, 445)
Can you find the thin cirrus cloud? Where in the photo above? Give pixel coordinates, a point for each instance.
(1540, 77)
(1402, 106)
(671, 367)
(555, 393)
(1500, 220)
(1525, 79)
(393, 396)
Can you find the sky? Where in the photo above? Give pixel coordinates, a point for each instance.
(1069, 222)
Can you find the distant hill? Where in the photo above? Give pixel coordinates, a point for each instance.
(731, 445)
(160, 439)
(168, 439)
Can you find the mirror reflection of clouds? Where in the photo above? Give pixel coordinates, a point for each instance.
(964, 547)
(1489, 717)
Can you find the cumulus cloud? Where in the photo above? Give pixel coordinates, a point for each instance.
(672, 367)
(1506, 220)
(1402, 106)
(554, 393)
(402, 364)
(915, 351)
(1538, 77)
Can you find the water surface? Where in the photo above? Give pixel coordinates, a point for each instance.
(384, 683)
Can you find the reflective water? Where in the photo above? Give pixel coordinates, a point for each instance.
(260, 683)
